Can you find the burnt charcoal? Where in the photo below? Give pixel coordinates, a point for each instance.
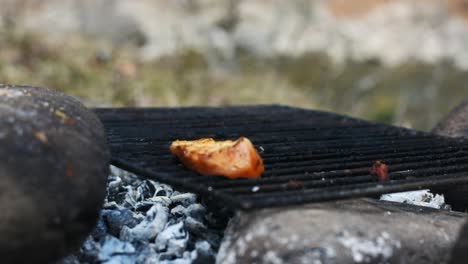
(151, 185)
(53, 168)
(196, 211)
(204, 253)
(200, 230)
(164, 190)
(160, 235)
(70, 260)
(114, 188)
(100, 230)
(165, 201)
(204, 259)
(146, 255)
(194, 225)
(178, 211)
(217, 217)
(152, 225)
(146, 189)
(112, 206)
(117, 196)
(121, 197)
(89, 251)
(131, 197)
(116, 219)
(143, 206)
(184, 199)
(203, 247)
(167, 258)
(117, 251)
(172, 240)
(114, 184)
(161, 193)
(187, 258)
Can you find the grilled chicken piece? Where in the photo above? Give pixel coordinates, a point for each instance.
(231, 159)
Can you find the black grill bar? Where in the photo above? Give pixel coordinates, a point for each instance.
(309, 156)
(251, 202)
(350, 175)
(345, 179)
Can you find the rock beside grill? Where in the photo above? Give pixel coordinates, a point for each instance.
(53, 170)
(350, 231)
(455, 124)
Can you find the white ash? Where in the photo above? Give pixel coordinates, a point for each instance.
(147, 230)
(420, 198)
(146, 222)
(115, 251)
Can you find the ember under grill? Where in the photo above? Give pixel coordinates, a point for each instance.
(309, 156)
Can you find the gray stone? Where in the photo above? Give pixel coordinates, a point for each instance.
(350, 231)
(460, 250)
(53, 170)
(455, 124)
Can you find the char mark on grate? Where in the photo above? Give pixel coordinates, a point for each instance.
(309, 156)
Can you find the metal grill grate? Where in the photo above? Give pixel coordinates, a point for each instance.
(309, 156)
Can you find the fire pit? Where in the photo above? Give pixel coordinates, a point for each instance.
(309, 156)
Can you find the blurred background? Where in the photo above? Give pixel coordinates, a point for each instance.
(401, 62)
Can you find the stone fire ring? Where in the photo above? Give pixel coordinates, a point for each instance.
(53, 168)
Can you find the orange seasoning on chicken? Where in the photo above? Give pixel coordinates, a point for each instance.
(230, 159)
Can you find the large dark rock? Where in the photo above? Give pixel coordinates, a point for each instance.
(53, 170)
(460, 250)
(350, 231)
(455, 124)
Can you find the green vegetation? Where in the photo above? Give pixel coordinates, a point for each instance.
(413, 94)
